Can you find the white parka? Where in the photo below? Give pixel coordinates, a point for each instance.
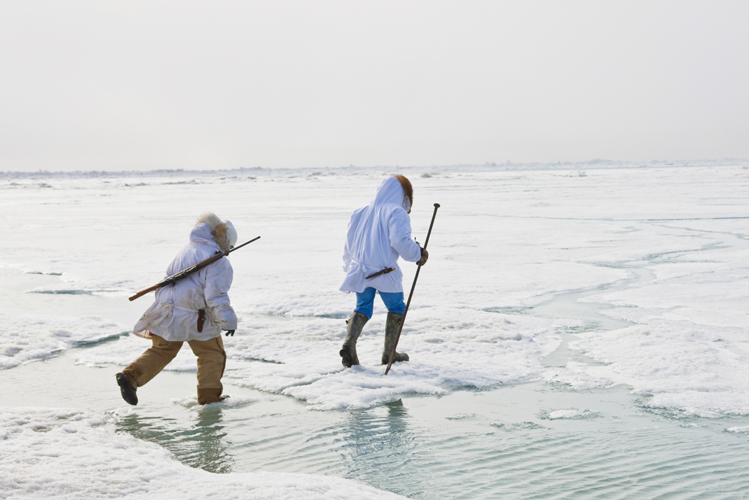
(377, 235)
(174, 314)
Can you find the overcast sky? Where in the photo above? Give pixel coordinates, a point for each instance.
(134, 85)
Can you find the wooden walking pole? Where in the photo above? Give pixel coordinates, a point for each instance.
(400, 329)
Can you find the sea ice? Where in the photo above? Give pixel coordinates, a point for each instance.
(569, 414)
(30, 338)
(506, 240)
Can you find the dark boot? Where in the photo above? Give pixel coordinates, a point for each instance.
(208, 396)
(127, 389)
(355, 323)
(391, 331)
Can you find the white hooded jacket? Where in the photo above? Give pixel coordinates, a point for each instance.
(377, 235)
(174, 314)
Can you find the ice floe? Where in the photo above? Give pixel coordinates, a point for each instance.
(31, 338)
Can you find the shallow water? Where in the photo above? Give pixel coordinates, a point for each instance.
(509, 442)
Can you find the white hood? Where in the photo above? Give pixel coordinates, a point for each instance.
(201, 235)
(391, 192)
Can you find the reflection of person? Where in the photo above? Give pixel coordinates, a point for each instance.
(377, 235)
(193, 310)
(208, 448)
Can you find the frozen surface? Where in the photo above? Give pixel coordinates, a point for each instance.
(58, 453)
(29, 338)
(573, 283)
(570, 413)
(506, 241)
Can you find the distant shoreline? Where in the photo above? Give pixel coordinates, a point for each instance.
(312, 171)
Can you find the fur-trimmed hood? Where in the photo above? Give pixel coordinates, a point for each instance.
(391, 192)
(222, 231)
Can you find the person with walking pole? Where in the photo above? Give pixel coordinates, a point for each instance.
(378, 234)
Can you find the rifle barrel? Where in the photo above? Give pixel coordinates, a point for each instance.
(240, 246)
(169, 280)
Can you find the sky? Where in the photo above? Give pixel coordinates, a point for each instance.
(139, 85)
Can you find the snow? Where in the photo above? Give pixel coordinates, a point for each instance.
(569, 414)
(663, 248)
(30, 338)
(738, 429)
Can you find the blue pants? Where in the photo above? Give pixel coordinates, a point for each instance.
(365, 302)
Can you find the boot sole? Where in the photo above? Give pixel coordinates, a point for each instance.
(127, 391)
(385, 360)
(346, 360)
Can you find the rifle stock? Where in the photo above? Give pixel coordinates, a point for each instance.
(144, 291)
(186, 272)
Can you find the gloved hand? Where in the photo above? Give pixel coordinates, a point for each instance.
(229, 332)
(424, 257)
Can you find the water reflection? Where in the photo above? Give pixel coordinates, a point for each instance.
(211, 454)
(378, 448)
(198, 442)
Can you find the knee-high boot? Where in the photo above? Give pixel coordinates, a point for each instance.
(354, 326)
(391, 331)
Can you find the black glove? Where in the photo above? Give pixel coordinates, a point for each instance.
(424, 257)
(229, 332)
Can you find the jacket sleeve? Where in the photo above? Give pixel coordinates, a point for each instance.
(399, 227)
(346, 251)
(218, 280)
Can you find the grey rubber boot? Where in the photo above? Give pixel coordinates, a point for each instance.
(354, 323)
(391, 331)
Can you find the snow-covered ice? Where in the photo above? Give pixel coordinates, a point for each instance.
(29, 338)
(578, 277)
(505, 241)
(569, 413)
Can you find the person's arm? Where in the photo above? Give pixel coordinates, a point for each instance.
(219, 276)
(346, 250)
(399, 227)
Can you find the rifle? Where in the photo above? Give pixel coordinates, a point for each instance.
(185, 272)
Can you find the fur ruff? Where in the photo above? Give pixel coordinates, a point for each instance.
(408, 190)
(218, 229)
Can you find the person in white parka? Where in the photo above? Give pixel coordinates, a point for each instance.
(194, 310)
(377, 235)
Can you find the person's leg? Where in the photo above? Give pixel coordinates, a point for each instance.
(147, 366)
(396, 309)
(211, 364)
(393, 301)
(365, 302)
(354, 325)
(152, 361)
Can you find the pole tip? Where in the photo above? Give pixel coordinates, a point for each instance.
(436, 205)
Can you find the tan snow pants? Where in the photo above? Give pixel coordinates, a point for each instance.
(211, 364)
